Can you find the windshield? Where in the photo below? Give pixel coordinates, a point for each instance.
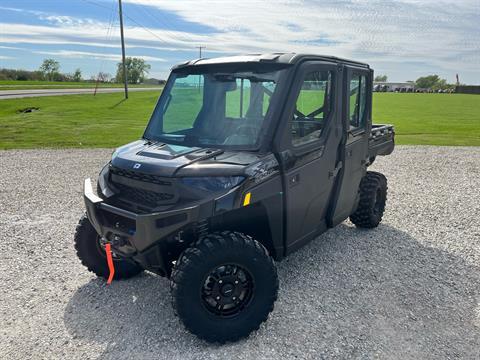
(217, 109)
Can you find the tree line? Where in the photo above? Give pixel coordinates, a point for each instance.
(49, 70)
(430, 82)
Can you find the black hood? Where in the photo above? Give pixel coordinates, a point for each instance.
(174, 160)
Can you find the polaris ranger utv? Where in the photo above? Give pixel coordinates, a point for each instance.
(244, 160)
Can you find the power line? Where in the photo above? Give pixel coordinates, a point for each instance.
(96, 4)
(144, 28)
(165, 24)
(164, 28)
(111, 24)
(128, 17)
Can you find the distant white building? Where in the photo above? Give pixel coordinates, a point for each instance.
(394, 86)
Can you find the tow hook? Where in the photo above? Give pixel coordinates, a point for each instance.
(111, 268)
(118, 241)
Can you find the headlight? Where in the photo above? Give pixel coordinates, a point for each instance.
(115, 153)
(215, 183)
(102, 188)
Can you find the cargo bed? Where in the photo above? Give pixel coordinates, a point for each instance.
(381, 140)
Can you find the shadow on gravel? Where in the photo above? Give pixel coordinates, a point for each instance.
(350, 293)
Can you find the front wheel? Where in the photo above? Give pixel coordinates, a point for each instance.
(224, 286)
(91, 253)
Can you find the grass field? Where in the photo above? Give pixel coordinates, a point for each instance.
(27, 85)
(75, 120)
(430, 119)
(107, 121)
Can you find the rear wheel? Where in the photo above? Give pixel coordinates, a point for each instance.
(91, 252)
(373, 197)
(224, 286)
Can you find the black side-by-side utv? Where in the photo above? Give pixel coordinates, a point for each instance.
(244, 160)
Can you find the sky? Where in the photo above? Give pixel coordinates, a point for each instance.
(404, 39)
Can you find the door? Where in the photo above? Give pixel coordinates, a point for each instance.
(357, 120)
(313, 141)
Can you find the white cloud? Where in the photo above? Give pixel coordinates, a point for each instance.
(10, 48)
(432, 31)
(93, 55)
(437, 34)
(94, 35)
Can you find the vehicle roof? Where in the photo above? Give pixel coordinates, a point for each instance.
(274, 58)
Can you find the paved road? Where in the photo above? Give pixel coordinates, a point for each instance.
(16, 94)
(409, 289)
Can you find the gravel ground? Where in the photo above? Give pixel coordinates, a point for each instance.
(408, 289)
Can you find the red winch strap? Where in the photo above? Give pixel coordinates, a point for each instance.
(108, 251)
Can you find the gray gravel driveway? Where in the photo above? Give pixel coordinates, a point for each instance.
(408, 289)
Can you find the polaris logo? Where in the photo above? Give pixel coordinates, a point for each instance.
(137, 166)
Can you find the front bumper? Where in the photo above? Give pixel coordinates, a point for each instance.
(132, 233)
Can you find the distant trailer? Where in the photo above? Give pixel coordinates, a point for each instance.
(393, 86)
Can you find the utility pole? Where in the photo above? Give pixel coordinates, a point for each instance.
(200, 51)
(123, 48)
(200, 56)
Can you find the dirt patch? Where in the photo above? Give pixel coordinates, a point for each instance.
(27, 110)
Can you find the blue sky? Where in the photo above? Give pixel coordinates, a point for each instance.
(404, 39)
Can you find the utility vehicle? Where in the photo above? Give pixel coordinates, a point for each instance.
(245, 159)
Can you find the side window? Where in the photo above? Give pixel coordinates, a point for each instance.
(358, 101)
(312, 107)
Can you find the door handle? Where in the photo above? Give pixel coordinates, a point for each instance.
(287, 159)
(294, 180)
(334, 172)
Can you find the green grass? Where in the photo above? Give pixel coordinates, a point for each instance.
(430, 119)
(31, 85)
(75, 120)
(107, 121)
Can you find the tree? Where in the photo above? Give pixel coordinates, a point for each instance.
(101, 77)
(58, 76)
(104, 77)
(137, 69)
(381, 78)
(22, 75)
(433, 82)
(427, 82)
(77, 75)
(440, 84)
(49, 68)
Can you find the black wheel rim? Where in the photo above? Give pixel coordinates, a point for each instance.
(227, 290)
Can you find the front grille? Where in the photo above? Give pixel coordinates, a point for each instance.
(154, 179)
(142, 189)
(141, 196)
